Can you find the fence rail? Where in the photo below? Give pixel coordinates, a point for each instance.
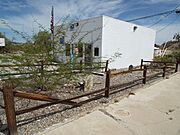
(160, 62)
(79, 67)
(9, 93)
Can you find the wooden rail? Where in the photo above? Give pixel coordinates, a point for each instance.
(9, 93)
(110, 74)
(115, 73)
(39, 97)
(43, 70)
(160, 62)
(144, 68)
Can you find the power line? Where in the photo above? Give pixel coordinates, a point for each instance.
(158, 14)
(177, 11)
(167, 25)
(159, 20)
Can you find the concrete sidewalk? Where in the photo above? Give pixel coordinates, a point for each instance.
(153, 110)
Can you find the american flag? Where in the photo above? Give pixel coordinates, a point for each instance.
(52, 21)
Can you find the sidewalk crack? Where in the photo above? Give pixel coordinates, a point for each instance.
(119, 121)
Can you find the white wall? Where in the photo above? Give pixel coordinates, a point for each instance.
(2, 42)
(134, 45)
(116, 36)
(90, 30)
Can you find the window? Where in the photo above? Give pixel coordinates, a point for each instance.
(96, 51)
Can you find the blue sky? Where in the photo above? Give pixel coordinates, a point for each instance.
(20, 14)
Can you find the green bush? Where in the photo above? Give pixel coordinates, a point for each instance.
(176, 55)
(165, 58)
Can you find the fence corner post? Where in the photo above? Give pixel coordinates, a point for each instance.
(107, 85)
(9, 107)
(144, 74)
(106, 68)
(164, 70)
(176, 69)
(141, 63)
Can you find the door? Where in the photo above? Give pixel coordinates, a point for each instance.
(88, 55)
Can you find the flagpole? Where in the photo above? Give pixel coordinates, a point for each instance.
(52, 28)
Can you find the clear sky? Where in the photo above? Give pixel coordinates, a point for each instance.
(21, 14)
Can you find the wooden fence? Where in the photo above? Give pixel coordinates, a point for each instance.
(164, 66)
(79, 67)
(9, 94)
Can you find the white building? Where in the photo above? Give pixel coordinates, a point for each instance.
(2, 42)
(105, 37)
(157, 52)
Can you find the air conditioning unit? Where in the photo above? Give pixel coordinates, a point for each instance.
(72, 27)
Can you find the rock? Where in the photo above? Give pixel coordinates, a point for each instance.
(2, 111)
(1, 133)
(69, 86)
(104, 101)
(83, 98)
(88, 83)
(116, 100)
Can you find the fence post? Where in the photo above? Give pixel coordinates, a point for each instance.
(144, 74)
(164, 70)
(107, 85)
(176, 69)
(141, 63)
(106, 68)
(81, 65)
(9, 107)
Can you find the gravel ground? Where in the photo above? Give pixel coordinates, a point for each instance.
(37, 121)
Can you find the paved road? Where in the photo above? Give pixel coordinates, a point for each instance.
(154, 110)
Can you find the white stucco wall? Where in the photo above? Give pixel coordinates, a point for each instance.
(2, 42)
(118, 36)
(113, 35)
(89, 31)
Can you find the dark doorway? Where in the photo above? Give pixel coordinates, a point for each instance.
(88, 55)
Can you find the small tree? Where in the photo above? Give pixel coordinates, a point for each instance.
(39, 51)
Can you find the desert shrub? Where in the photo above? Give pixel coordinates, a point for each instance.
(176, 55)
(165, 58)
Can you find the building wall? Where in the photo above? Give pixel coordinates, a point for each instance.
(88, 31)
(2, 42)
(133, 43)
(111, 36)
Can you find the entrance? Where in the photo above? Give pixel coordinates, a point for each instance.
(88, 58)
